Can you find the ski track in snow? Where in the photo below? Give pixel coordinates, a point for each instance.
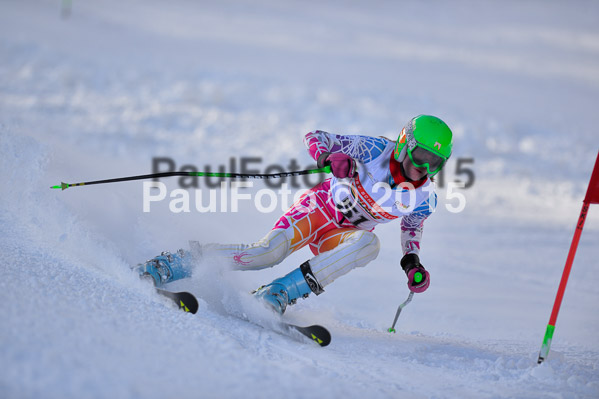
(100, 93)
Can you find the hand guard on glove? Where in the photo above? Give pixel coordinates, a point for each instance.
(342, 165)
(418, 278)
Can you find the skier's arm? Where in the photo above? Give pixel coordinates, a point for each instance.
(361, 148)
(412, 224)
(411, 234)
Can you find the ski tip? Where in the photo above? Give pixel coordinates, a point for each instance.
(184, 300)
(187, 302)
(316, 333)
(320, 335)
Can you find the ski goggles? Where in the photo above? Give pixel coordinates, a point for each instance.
(423, 157)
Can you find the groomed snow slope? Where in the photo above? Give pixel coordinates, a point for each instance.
(99, 93)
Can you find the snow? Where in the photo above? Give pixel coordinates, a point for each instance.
(101, 92)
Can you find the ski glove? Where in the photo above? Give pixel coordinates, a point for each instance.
(418, 277)
(342, 165)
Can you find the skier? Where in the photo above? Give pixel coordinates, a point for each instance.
(375, 180)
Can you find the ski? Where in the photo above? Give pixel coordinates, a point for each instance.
(188, 303)
(316, 333)
(185, 300)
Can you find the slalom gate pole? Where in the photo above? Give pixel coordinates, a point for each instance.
(327, 169)
(562, 286)
(401, 306)
(591, 197)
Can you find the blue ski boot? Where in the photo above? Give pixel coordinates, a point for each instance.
(287, 289)
(166, 267)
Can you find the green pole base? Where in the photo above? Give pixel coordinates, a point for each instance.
(546, 343)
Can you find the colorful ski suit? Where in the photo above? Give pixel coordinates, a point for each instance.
(336, 218)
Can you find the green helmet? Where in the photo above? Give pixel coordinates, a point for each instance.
(427, 140)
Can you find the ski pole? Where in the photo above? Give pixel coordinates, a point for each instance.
(327, 169)
(401, 306)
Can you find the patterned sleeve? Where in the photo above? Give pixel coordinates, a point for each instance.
(362, 148)
(412, 225)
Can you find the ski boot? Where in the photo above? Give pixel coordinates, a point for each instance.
(287, 289)
(166, 267)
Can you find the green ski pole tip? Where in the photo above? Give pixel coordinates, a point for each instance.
(391, 330)
(63, 186)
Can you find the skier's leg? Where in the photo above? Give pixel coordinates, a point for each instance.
(306, 221)
(339, 251)
(303, 223)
